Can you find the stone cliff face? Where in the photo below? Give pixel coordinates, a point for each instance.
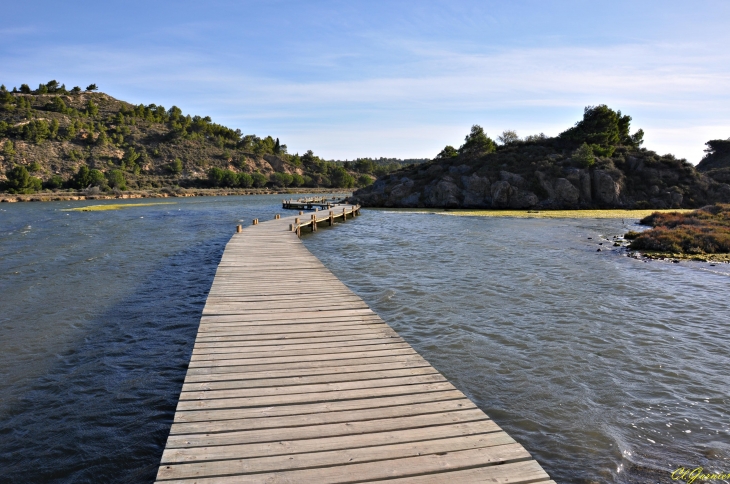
(524, 177)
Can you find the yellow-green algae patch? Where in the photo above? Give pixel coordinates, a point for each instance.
(114, 206)
(612, 213)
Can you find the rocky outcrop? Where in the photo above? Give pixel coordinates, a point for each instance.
(477, 191)
(606, 190)
(444, 194)
(529, 176)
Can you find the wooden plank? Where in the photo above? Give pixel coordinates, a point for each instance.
(312, 388)
(328, 430)
(331, 458)
(388, 469)
(309, 408)
(320, 418)
(295, 446)
(268, 400)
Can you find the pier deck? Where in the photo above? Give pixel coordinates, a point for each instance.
(293, 379)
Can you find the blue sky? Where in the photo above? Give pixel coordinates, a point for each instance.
(350, 78)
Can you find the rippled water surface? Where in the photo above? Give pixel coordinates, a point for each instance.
(606, 368)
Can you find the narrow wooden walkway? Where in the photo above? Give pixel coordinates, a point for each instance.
(293, 379)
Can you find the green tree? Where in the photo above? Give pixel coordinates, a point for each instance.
(9, 150)
(176, 166)
(54, 182)
(259, 179)
(365, 180)
(508, 136)
(91, 108)
(52, 86)
(584, 156)
(477, 143)
(20, 181)
(91, 87)
(42, 89)
(603, 129)
(25, 89)
(297, 180)
(230, 178)
(116, 179)
(76, 90)
(282, 179)
(245, 180)
(36, 131)
(448, 152)
(215, 176)
(82, 179)
(341, 179)
(97, 178)
(34, 167)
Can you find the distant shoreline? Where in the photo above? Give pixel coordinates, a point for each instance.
(160, 193)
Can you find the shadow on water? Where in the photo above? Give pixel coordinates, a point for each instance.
(103, 412)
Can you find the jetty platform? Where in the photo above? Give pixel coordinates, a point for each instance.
(294, 379)
(310, 203)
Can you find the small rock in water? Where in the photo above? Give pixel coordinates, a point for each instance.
(600, 243)
(616, 244)
(590, 238)
(675, 261)
(599, 250)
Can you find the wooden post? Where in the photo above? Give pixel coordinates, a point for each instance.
(314, 223)
(344, 214)
(332, 218)
(255, 221)
(238, 229)
(278, 216)
(291, 227)
(296, 221)
(301, 213)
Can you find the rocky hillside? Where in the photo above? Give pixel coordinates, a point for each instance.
(595, 164)
(54, 138)
(716, 163)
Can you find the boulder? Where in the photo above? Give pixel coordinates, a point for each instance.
(565, 191)
(459, 170)
(606, 191)
(522, 199)
(513, 179)
(444, 194)
(477, 190)
(500, 191)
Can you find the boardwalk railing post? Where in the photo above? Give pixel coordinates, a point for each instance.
(314, 223)
(238, 229)
(344, 214)
(278, 216)
(301, 213)
(332, 218)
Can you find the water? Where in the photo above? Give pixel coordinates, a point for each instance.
(606, 368)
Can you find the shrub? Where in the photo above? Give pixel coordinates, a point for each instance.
(583, 156)
(365, 180)
(245, 180)
(116, 179)
(259, 179)
(282, 179)
(20, 181)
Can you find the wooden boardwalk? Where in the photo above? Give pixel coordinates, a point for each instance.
(293, 379)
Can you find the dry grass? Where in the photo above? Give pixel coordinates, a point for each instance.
(114, 206)
(630, 214)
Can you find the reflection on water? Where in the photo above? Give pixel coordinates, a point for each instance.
(606, 368)
(99, 314)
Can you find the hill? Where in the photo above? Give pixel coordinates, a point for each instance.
(52, 138)
(597, 163)
(716, 163)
